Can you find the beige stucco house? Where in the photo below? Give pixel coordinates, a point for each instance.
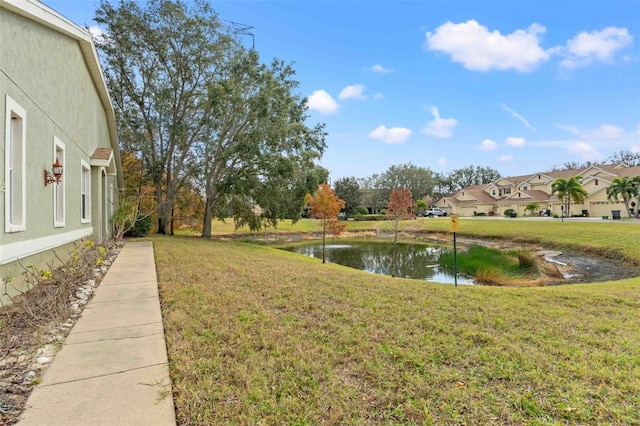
(518, 191)
(54, 109)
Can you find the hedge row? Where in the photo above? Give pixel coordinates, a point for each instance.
(370, 217)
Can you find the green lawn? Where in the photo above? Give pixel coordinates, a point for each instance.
(261, 336)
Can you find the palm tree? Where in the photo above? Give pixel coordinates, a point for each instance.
(636, 185)
(532, 207)
(567, 190)
(625, 188)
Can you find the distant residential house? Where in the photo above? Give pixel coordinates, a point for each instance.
(55, 109)
(518, 191)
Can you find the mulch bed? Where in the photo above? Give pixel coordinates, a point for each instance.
(34, 326)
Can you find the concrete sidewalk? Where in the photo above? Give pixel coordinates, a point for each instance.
(112, 368)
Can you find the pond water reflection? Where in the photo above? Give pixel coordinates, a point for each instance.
(410, 261)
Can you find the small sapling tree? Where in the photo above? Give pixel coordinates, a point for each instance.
(325, 205)
(398, 208)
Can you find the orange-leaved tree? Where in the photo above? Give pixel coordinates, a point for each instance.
(399, 207)
(335, 227)
(324, 205)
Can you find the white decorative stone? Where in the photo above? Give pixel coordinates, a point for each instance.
(28, 378)
(43, 360)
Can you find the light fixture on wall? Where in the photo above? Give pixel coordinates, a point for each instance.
(55, 175)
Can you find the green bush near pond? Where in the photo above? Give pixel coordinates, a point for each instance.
(480, 260)
(370, 217)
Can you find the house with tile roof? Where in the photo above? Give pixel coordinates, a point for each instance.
(60, 165)
(517, 192)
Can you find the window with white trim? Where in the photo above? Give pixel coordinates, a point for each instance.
(58, 188)
(15, 179)
(85, 193)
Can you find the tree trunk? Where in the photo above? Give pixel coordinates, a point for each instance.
(394, 261)
(162, 214)
(626, 205)
(208, 217)
(324, 233)
(173, 220)
(395, 230)
(163, 218)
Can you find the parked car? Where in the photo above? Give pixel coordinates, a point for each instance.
(434, 212)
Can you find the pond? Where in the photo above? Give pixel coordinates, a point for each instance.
(411, 260)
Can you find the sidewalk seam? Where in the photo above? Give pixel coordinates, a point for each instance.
(127, 283)
(123, 300)
(115, 373)
(116, 328)
(115, 338)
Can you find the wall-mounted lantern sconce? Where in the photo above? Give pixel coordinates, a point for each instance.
(54, 175)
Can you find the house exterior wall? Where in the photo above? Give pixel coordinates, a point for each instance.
(45, 71)
(467, 210)
(510, 193)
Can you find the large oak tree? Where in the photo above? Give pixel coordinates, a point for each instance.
(202, 112)
(158, 60)
(257, 152)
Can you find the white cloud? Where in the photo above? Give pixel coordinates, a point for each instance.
(604, 132)
(442, 161)
(488, 145)
(479, 49)
(637, 131)
(440, 127)
(505, 158)
(518, 116)
(378, 96)
(570, 129)
(598, 46)
(352, 92)
(587, 151)
(380, 69)
(322, 102)
(517, 142)
(635, 149)
(392, 135)
(97, 33)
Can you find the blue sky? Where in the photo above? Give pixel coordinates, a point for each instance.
(518, 85)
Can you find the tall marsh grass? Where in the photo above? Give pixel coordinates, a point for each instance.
(492, 266)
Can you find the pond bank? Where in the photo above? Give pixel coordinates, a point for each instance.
(587, 267)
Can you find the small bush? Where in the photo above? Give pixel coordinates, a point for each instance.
(141, 227)
(508, 212)
(361, 210)
(364, 217)
(482, 214)
(527, 260)
(492, 266)
(489, 276)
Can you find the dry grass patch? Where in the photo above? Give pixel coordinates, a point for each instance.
(260, 336)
